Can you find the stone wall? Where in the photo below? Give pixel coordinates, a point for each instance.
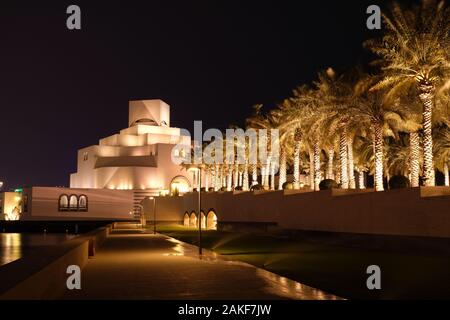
(423, 211)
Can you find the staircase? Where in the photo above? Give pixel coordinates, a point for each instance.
(138, 196)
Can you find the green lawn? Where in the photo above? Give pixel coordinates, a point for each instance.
(336, 269)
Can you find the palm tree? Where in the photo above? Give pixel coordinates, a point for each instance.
(409, 99)
(383, 116)
(297, 150)
(268, 121)
(398, 157)
(296, 111)
(308, 117)
(329, 143)
(337, 94)
(257, 121)
(414, 51)
(442, 151)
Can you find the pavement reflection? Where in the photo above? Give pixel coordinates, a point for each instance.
(275, 284)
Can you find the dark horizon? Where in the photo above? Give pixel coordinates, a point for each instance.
(63, 90)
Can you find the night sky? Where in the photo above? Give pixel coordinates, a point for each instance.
(61, 90)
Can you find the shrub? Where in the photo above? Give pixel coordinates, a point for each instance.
(399, 182)
(257, 187)
(239, 188)
(328, 184)
(288, 186)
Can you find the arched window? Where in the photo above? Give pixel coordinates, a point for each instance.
(179, 184)
(193, 220)
(82, 203)
(203, 220)
(211, 221)
(73, 203)
(63, 203)
(186, 220)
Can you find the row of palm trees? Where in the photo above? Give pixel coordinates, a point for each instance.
(393, 120)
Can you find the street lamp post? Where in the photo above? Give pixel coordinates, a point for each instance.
(200, 210)
(154, 214)
(194, 169)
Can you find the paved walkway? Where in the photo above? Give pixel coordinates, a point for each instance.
(136, 265)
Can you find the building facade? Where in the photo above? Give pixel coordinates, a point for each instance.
(114, 176)
(138, 158)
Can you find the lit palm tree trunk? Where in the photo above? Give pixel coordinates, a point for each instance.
(351, 166)
(343, 156)
(229, 179)
(263, 176)
(311, 169)
(206, 181)
(361, 183)
(254, 174)
(272, 175)
(330, 174)
(224, 177)
(267, 172)
(414, 158)
(388, 177)
(338, 176)
(282, 179)
(317, 173)
(236, 175)
(245, 185)
(446, 174)
(428, 167)
(213, 178)
(224, 181)
(297, 165)
(216, 177)
(378, 151)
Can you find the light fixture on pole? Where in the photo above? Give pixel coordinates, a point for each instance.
(198, 168)
(154, 214)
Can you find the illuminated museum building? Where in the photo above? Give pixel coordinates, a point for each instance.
(114, 176)
(137, 158)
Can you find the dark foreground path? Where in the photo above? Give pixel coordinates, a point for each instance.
(136, 265)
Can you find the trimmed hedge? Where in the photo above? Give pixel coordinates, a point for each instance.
(399, 182)
(328, 184)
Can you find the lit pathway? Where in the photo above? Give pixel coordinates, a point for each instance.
(136, 265)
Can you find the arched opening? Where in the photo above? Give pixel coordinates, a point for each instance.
(186, 220)
(73, 202)
(193, 220)
(83, 203)
(203, 220)
(211, 221)
(63, 203)
(179, 184)
(145, 121)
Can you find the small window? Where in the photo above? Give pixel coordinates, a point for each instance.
(85, 156)
(73, 203)
(82, 203)
(63, 202)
